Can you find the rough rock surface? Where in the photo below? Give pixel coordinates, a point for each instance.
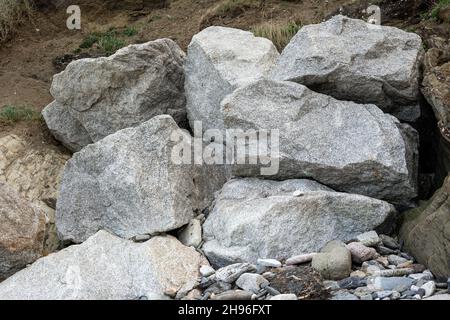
(350, 147)
(426, 232)
(353, 60)
(255, 218)
(219, 60)
(107, 267)
(127, 184)
(22, 232)
(35, 175)
(97, 97)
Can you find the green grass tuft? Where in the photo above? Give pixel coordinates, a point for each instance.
(280, 35)
(18, 113)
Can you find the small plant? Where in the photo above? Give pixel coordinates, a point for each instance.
(109, 42)
(14, 113)
(436, 10)
(280, 35)
(12, 13)
(234, 6)
(130, 31)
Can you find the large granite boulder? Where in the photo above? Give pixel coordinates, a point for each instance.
(350, 147)
(22, 232)
(255, 218)
(426, 232)
(97, 97)
(218, 61)
(129, 184)
(353, 60)
(108, 268)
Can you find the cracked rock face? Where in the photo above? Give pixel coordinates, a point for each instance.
(255, 218)
(97, 97)
(218, 61)
(350, 147)
(352, 60)
(107, 267)
(128, 184)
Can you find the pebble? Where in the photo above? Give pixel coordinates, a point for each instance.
(383, 261)
(399, 284)
(422, 276)
(233, 295)
(270, 263)
(251, 282)
(406, 256)
(269, 275)
(389, 242)
(331, 285)
(366, 297)
(385, 251)
(369, 239)
(232, 272)
(300, 259)
(430, 288)
(358, 273)
(207, 271)
(394, 272)
(406, 264)
(272, 291)
(191, 235)
(297, 193)
(142, 238)
(352, 283)
(361, 253)
(383, 294)
(396, 295)
(440, 297)
(289, 296)
(396, 260)
(418, 268)
(344, 295)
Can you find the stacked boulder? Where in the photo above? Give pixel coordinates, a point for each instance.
(344, 166)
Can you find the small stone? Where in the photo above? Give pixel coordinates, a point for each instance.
(270, 263)
(384, 294)
(394, 272)
(399, 284)
(272, 291)
(439, 297)
(333, 262)
(406, 256)
(383, 261)
(385, 251)
(142, 238)
(417, 297)
(251, 282)
(358, 273)
(218, 287)
(430, 288)
(371, 267)
(297, 193)
(418, 268)
(396, 260)
(395, 295)
(233, 295)
(290, 296)
(232, 272)
(331, 285)
(406, 264)
(269, 275)
(389, 242)
(361, 253)
(369, 239)
(352, 283)
(171, 292)
(366, 297)
(193, 295)
(421, 276)
(344, 295)
(300, 259)
(207, 271)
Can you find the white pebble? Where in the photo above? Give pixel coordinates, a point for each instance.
(271, 263)
(206, 271)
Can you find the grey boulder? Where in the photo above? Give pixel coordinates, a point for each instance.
(353, 60)
(128, 184)
(334, 262)
(350, 147)
(219, 60)
(97, 97)
(107, 267)
(255, 218)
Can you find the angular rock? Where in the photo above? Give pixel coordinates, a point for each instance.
(127, 184)
(399, 284)
(107, 267)
(430, 288)
(219, 60)
(347, 146)
(352, 283)
(255, 218)
(231, 273)
(390, 242)
(353, 60)
(361, 253)
(369, 239)
(426, 232)
(334, 261)
(251, 282)
(207, 271)
(97, 97)
(22, 232)
(191, 235)
(300, 259)
(396, 260)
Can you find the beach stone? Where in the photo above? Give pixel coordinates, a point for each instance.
(270, 263)
(191, 235)
(237, 295)
(251, 282)
(361, 253)
(232, 272)
(369, 239)
(430, 288)
(300, 259)
(389, 242)
(396, 260)
(284, 297)
(333, 262)
(399, 284)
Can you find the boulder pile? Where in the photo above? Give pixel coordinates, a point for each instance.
(149, 210)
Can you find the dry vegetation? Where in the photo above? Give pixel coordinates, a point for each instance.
(279, 34)
(13, 12)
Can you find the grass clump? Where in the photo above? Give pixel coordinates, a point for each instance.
(232, 7)
(436, 8)
(279, 34)
(13, 113)
(12, 13)
(108, 42)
